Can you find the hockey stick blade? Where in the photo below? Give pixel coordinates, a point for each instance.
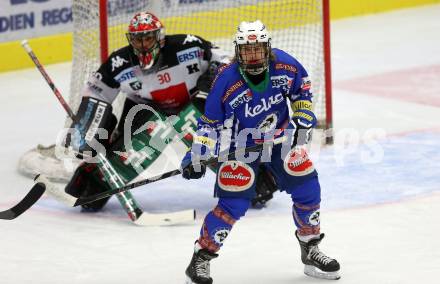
(144, 219)
(30, 199)
(164, 219)
(56, 193)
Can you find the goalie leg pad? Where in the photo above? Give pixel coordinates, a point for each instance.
(265, 187)
(88, 180)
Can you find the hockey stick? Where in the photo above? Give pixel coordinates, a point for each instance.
(125, 198)
(211, 161)
(43, 184)
(33, 196)
(150, 219)
(144, 219)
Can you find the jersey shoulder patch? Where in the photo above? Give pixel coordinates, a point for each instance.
(180, 42)
(176, 51)
(285, 62)
(224, 71)
(119, 60)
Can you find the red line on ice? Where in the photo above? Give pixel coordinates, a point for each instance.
(419, 85)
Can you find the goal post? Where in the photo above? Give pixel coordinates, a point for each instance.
(328, 102)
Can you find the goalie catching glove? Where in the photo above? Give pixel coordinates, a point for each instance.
(92, 127)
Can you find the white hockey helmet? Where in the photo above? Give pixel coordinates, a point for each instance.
(252, 47)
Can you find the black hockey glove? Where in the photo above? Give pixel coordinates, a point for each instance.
(189, 171)
(301, 134)
(202, 149)
(87, 133)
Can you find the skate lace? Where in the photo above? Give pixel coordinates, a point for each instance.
(318, 256)
(202, 268)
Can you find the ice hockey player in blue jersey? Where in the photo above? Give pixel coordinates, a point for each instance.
(249, 103)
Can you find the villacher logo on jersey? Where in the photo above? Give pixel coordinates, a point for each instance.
(235, 176)
(230, 175)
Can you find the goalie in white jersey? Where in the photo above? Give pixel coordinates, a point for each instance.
(168, 73)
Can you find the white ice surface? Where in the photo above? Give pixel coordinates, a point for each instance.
(381, 197)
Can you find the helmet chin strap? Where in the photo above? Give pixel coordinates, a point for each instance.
(256, 71)
(253, 71)
(254, 79)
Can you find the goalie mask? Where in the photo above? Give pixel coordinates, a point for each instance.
(146, 34)
(252, 47)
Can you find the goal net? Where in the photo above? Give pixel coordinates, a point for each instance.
(300, 27)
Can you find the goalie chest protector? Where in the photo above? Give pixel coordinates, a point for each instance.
(170, 83)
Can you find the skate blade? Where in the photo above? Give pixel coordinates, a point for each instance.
(315, 272)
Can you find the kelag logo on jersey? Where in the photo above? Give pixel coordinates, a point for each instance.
(189, 54)
(266, 105)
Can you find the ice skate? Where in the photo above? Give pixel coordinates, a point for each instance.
(197, 271)
(317, 264)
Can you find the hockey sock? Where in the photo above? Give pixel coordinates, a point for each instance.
(306, 199)
(218, 222)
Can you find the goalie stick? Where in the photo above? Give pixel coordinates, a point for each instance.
(144, 219)
(127, 201)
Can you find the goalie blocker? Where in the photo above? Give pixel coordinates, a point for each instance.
(91, 133)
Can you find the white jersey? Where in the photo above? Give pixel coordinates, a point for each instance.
(168, 85)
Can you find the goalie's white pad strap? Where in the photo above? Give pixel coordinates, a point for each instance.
(57, 193)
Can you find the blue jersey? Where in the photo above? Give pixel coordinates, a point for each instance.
(237, 104)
